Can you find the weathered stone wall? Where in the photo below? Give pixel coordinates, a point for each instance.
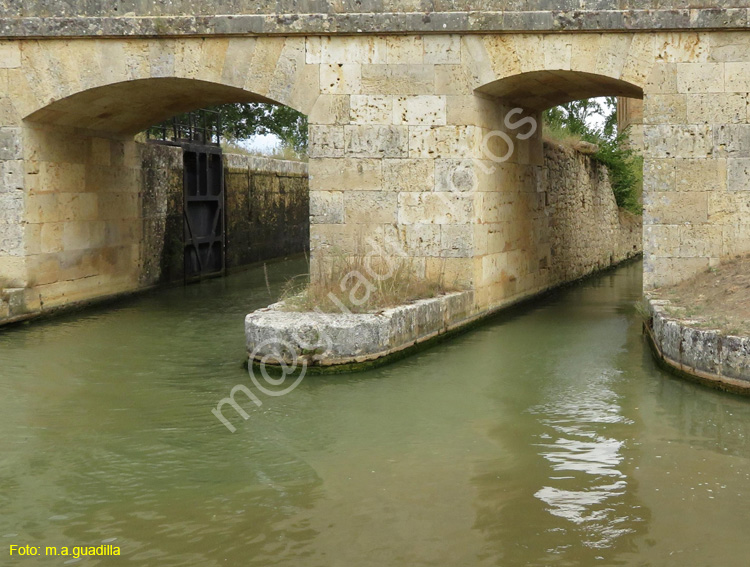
(268, 208)
(109, 219)
(705, 355)
(588, 232)
(76, 18)
(83, 216)
(162, 252)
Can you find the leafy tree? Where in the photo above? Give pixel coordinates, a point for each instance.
(575, 117)
(243, 120)
(623, 163)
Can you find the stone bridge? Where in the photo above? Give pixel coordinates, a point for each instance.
(410, 103)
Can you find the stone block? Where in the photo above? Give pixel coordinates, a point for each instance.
(676, 207)
(408, 174)
(736, 238)
(728, 208)
(79, 206)
(732, 140)
(662, 79)
(737, 78)
(717, 108)
(398, 79)
(682, 47)
(11, 239)
(453, 80)
(334, 50)
(457, 241)
(729, 46)
(684, 141)
(42, 208)
(376, 141)
(665, 109)
(351, 174)
(419, 110)
(330, 109)
(454, 142)
(437, 208)
(738, 174)
(51, 237)
(405, 50)
(442, 49)
(421, 239)
(340, 79)
(10, 54)
(701, 175)
(702, 241)
(326, 207)
(325, 141)
(700, 77)
(362, 207)
(456, 175)
(10, 143)
(371, 109)
(613, 54)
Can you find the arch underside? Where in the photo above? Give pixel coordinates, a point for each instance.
(539, 90)
(129, 107)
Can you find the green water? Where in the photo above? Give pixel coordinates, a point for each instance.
(545, 437)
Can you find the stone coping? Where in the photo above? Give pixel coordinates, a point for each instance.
(704, 355)
(260, 164)
(349, 339)
(292, 19)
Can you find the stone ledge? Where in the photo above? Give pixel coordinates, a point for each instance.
(259, 164)
(703, 355)
(353, 338)
(375, 22)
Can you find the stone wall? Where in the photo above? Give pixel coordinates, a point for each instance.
(587, 231)
(708, 356)
(105, 217)
(163, 224)
(268, 208)
(77, 18)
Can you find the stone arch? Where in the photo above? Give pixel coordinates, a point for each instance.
(577, 63)
(540, 90)
(89, 213)
(514, 78)
(130, 107)
(57, 75)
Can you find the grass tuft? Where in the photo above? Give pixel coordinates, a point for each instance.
(363, 284)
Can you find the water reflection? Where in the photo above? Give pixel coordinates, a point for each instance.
(577, 446)
(546, 437)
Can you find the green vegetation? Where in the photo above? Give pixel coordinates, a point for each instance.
(243, 120)
(571, 122)
(362, 284)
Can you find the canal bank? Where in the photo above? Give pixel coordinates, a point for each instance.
(578, 230)
(700, 328)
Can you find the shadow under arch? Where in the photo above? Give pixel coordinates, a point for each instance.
(540, 90)
(128, 107)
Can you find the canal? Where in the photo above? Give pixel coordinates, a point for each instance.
(545, 437)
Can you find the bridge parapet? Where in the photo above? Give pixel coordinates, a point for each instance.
(136, 18)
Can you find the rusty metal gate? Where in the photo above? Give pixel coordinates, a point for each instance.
(203, 211)
(198, 133)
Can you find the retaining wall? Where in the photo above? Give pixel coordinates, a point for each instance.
(112, 222)
(578, 230)
(703, 355)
